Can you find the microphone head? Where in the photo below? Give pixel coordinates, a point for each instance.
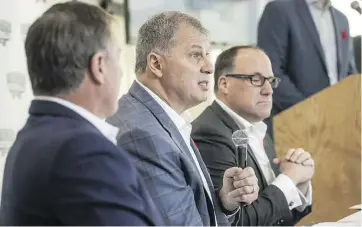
(240, 138)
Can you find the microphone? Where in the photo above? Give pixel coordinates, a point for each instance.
(240, 139)
(355, 5)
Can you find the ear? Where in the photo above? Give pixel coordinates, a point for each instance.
(223, 84)
(154, 62)
(98, 68)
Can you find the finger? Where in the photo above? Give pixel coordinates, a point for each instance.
(247, 172)
(296, 154)
(303, 157)
(231, 172)
(250, 181)
(248, 189)
(248, 198)
(308, 162)
(276, 161)
(289, 153)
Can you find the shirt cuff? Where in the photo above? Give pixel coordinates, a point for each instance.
(306, 199)
(290, 191)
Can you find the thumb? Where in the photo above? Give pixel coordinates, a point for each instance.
(276, 161)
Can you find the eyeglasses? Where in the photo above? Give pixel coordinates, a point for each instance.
(257, 79)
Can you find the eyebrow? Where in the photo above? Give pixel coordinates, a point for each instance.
(266, 76)
(197, 46)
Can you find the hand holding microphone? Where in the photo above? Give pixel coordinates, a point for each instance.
(240, 184)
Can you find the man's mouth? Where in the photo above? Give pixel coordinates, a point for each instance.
(204, 84)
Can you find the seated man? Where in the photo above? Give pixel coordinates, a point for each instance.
(243, 87)
(64, 167)
(173, 69)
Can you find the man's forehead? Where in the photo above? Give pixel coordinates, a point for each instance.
(252, 61)
(191, 37)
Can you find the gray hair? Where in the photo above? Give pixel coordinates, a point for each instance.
(158, 35)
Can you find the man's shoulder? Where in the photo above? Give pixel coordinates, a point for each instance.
(208, 121)
(58, 131)
(280, 4)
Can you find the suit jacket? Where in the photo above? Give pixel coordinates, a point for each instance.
(357, 52)
(62, 171)
(164, 161)
(212, 132)
(289, 36)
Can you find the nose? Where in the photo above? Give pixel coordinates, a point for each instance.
(207, 67)
(267, 88)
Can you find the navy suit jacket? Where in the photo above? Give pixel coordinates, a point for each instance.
(164, 161)
(62, 171)
(289, 36)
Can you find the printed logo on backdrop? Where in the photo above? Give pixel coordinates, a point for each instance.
(7, 138)
(5, 32)
(16, 82)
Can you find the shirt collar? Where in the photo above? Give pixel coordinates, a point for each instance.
(109, 131)
(257, 130)
(319, 4)
(179, 121)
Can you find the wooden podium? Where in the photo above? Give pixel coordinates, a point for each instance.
(328, 125)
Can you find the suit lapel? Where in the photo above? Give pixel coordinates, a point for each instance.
(306, 16)
(207, 177)
(338, 30)
(165, 121)
(142, 96)
(229, 122)
(270, 152)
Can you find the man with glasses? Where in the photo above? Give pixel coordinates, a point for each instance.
(244, 85)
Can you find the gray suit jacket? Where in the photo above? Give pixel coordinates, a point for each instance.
(164, 162)
(289, 36)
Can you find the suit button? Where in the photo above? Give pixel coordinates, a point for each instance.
(291, 203)
(282, 221)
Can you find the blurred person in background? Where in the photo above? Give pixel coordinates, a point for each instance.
(309, 45)
(357, 52)
(64, 167)
(244, 84)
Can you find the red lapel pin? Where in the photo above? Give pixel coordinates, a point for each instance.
(343, 35)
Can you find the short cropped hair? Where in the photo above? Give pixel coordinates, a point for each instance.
(158, 33)
(60, 44)
(225, 62)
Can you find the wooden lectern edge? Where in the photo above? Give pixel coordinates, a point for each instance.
(336, 150)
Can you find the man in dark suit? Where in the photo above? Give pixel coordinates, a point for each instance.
(243, 87)
(309, 45)
(64, 167)
(357, 52)
(173, 69)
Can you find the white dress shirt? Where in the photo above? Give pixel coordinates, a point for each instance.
(256, 133)
(322, 17)
(109, 131)
(185, 129)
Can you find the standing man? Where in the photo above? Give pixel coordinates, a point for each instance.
(173, 70)
(64, 167)
(244, 85)
(309, 45)
(357, 52)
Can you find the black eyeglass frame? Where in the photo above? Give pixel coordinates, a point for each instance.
(273, 80)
